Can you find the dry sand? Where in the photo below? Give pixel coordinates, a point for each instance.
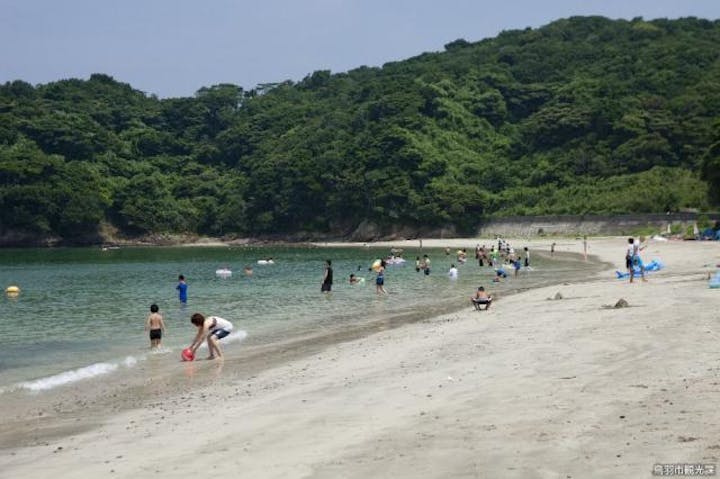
(532, 388)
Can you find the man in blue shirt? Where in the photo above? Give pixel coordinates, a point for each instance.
(182, 289)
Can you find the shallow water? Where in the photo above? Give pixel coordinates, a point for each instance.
(81, 312)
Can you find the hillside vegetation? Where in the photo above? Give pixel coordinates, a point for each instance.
(584, 115)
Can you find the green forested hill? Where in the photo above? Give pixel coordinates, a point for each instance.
(584, 115)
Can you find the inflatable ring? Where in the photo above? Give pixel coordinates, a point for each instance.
(376, 265)
(12, 290)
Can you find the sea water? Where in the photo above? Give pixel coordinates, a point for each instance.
(81, 311)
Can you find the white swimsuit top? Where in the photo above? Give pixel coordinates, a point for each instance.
(220, 323)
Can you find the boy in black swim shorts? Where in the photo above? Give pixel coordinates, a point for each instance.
(155, 325)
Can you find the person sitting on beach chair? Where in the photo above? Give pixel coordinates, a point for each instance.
(481, 298)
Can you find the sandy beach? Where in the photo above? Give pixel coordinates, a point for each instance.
(533, 388)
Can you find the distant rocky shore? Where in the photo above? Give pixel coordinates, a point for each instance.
(367, 231)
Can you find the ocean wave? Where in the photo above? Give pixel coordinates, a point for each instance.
(234, 337)
(100, 369)
(75, 375)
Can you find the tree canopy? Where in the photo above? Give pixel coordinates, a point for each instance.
(584, 115)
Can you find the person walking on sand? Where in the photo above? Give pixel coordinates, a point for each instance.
(632, 259)
(155, 326)
(585, 247)
(211, 329)
(327, 281)
(380, 279)
(552, 249)
(182, 289)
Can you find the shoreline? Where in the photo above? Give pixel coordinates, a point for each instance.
(308, 240)
(63, 404)
(532, 388)
(548, 226)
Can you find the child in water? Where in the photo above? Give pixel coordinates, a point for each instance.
(155, 325)
(182, 289)
(212, 329)
(380, 279)
(517, 264)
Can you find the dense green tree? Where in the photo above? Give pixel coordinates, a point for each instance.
(584, 115)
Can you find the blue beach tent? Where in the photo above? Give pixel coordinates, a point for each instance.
(654, 265)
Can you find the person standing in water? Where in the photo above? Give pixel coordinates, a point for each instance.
(517, 264)
(426, 264)
(182, 289)
(380, 279)
(327, 282)
(155, 326)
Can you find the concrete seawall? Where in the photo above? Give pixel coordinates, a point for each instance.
(590, 224)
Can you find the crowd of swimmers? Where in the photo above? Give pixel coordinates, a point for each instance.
(501, 257)
(211, 329)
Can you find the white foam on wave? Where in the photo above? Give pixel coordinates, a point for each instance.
(75, 375)
(130, 361)
(67, 377)
(99, 369)
(160, 350)
(234, 337)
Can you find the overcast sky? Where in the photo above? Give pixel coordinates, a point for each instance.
(175, 47)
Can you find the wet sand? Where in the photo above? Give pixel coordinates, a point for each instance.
(531, 388)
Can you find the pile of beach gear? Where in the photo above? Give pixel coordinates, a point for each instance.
(654, 265)
(710, 234)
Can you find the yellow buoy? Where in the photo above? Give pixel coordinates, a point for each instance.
(12, 290)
